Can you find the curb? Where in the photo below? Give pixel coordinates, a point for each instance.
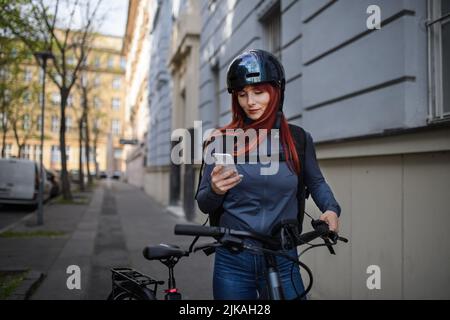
(28, 286)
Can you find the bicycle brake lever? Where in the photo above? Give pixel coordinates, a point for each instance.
(207, 245)
(329, 245)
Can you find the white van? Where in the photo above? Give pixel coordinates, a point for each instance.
(19, 182)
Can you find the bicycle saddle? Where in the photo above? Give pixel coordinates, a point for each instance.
(163, 251)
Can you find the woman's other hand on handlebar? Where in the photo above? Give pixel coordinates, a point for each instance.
(223, 180)
(332, 219)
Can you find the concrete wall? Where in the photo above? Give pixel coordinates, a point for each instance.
(156, 184)
(393, 221)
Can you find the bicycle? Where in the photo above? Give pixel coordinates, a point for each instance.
(130, 284)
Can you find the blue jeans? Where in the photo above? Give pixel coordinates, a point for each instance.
(241, 276)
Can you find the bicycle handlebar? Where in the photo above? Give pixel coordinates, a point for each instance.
(320, 230)
(195, 230)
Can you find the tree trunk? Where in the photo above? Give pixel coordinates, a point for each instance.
(86, 136)
(4, 131)
(80, 157)
(67, 194)
(4, 142)
(19, 146)
(95, 154)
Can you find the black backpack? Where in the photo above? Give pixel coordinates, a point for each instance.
(299, 136)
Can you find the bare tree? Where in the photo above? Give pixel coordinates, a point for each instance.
(12, 89)
(44, 27)
(97, 132)
(86, 88)
(24, 124)
(79, 114)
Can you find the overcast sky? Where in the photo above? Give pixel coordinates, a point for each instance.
(116, 18)
(114, 11)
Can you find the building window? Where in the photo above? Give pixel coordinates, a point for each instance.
(26, 152)
(97, 102)
(56, 98)
(110, 62)
(116, 104)
(68, 124)
(39, 122)
(97, 62)
(439, 59)
(8, 150)
(3, 119)
(271, 22)
(55, 155)
(115, 127)
(97, 81)
(28, 76)
(55, 124)
(96, 124)
(70, 61)
(116, 83)
(68, 153)
(4, 73)
(70, 100)
(26, 122)
(91, 155)
(84, 80)
(123, 63)
(26, 97)
(37, 152)
(6, 95)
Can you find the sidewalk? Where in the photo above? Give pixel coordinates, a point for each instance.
(109, 232)
(22, 249)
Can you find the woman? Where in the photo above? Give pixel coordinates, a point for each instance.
(254, 201)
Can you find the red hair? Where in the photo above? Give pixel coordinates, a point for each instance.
(266, 121)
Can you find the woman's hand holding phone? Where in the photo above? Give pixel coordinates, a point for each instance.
(223, 180)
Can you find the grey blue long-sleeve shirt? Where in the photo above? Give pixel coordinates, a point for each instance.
(259, 202)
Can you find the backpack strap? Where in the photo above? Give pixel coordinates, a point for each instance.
(201, 170)
(299, 136)
(213, 217)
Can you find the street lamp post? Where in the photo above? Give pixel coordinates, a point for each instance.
(42, 56)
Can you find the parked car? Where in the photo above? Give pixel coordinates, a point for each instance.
(116, 175)
(19, 182)
(54, 179)
(103, 175)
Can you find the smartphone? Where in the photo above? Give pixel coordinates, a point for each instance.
(225, 159)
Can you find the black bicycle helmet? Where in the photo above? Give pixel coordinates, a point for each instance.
(256, 66)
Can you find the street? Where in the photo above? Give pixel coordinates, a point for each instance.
(111, 230)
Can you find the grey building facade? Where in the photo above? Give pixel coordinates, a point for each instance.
(376, 103)
(158, 166)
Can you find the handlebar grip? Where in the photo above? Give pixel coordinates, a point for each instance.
(309, 236)
(195, 230)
